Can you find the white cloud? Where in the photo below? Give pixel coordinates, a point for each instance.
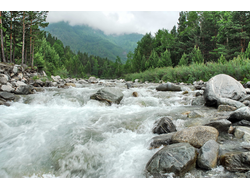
(119, 22)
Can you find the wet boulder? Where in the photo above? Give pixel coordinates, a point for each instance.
(24, 89)
(227, 101)
(92, 80)
(177, 158)
(207, 158)
(240, 114)
(109, 95)
(222, 125)
(7, 96)
(242, 132)
(164, 125)
(226, 108)
(168, 87)
(135, 94)
(196, 136)
(242, 123)
(236, 161)
(198, 101)
(223, 86)
(7, 88)
(163, 139)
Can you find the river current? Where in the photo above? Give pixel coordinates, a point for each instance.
(63, 133)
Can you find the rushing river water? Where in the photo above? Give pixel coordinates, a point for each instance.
(62, 133)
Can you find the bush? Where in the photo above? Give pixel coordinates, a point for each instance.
(237, 68)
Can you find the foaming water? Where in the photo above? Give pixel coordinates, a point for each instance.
(62, 133)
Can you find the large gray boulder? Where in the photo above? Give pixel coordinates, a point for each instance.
(229, 102)
(240, 114)
(168, 87)
(7, 96)
(196, 136)
(223, 86)
(207, 158)
(177, 158)
(24, 89)
(222, 125)
(164, 125)
(109, 95)
(242, 132)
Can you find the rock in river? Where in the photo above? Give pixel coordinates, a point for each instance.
(168, 87)
(236, 161)
(7, 96)
(109, 95)
(197, 136)
(177, 158)
(208, 155)
(223, 86)
(164, 125)
(240, 114)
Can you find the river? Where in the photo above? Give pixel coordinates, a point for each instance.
(62, 133)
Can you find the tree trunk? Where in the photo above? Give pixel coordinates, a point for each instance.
(31, 43)
(23, 37)
(1, 31)
(11, 37)
(14, 47)
(32, 63)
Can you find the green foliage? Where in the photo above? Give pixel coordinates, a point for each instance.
(222, 59)
(196, 56)
(195, 72)
(184, 60)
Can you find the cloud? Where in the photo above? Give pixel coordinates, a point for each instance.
(118, 22)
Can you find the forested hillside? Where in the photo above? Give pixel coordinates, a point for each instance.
(199, 37)
(23, 42)
(202, 44)
(86, 39)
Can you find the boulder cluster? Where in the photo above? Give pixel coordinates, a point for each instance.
(197, 146)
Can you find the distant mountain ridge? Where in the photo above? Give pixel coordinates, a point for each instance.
(93, 41)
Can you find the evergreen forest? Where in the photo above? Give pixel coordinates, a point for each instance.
(203, 43)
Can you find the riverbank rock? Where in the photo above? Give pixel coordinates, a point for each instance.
(164, 125)
(236, 161)
(177, 158)
(163, 139)
(242, 123)
(168, 87)
(229, 102)
(226, 108)
(109, 95)
(7, 96)
(242, 132)
(196, 136)
(24, 89)
(207, 158)
(223, 86)
(92, 80)
(240, 114)
(69, 84)
(222, 125)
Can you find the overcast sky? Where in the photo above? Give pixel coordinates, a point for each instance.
(119, 22)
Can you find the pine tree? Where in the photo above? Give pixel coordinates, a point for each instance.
(196, 56)
(183, 60)
(166, 59)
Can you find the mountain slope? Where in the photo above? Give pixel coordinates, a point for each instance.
(94, 42)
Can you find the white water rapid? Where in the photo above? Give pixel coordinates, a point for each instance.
(62, 133)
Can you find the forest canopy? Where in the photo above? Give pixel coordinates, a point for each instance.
(198, 38)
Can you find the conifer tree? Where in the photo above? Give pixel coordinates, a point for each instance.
(166, 59)
(183, 60)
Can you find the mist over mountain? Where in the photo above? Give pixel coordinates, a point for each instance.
(93, 41)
